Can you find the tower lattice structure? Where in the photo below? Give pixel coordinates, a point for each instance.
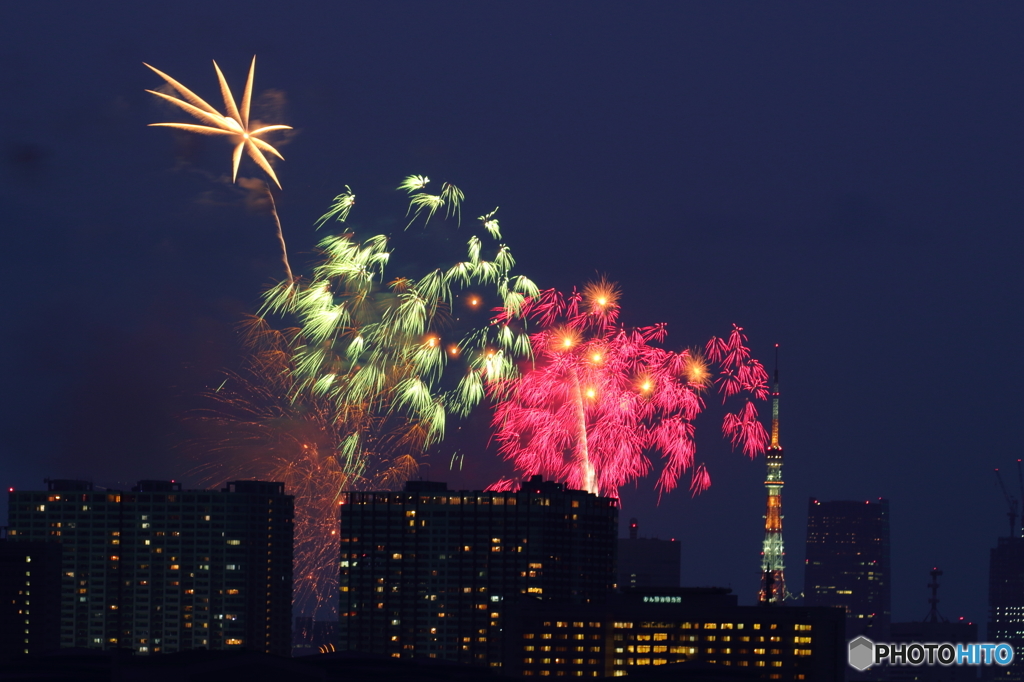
(773, 581)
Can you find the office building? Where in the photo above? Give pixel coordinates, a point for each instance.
(159, 569)
(847, 563)
(648, 562)
(430, 572)
(701, 627)
(1006, 604)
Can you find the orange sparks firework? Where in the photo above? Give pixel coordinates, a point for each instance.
(254, 426)
(602, 295)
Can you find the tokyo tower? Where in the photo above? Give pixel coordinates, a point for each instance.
(773, 582)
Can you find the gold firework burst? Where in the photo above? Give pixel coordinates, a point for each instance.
(234, 125)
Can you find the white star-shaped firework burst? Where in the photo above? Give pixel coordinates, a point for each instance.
(235, 124)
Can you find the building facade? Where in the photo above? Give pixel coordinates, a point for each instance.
(847, 563)
(30, 575)
(1006, 604)
(648, 562)
(429, 572)
(159, 569)
(703, 628)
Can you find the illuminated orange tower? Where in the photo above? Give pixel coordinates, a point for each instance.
(773, 582)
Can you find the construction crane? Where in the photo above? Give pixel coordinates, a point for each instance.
(1011, 505)
(1020, 479)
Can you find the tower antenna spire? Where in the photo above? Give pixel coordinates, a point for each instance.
(933, 612)
(773, 581)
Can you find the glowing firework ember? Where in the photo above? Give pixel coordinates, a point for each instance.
(602, 396)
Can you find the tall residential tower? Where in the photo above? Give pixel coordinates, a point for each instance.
(431, 572)
(773, 582)
(160, 569)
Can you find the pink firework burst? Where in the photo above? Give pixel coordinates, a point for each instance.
(601, 398)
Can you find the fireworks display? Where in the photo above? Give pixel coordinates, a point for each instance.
(601, 397)
(375, 347)
(369, 368)
(351, 397)
(254, 424)
(235, 125)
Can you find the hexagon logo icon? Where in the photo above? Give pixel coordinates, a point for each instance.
(862, 653)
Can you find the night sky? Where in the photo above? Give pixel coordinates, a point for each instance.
(844, 180)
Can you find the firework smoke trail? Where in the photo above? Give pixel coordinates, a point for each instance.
(252, 427)
(602, 396)
(280, 234)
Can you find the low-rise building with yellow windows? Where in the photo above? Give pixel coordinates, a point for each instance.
(700, 626)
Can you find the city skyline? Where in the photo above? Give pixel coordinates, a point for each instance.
(841, 181)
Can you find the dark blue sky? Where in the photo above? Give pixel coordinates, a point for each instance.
(843, 180)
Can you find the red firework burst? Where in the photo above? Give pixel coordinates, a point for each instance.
(601, 397)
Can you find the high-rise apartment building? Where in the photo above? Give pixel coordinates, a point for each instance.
(847, 563)
(1006, 604)
(159, 569)
(430, 572)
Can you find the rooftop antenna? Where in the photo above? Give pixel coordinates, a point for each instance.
(933, 613)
